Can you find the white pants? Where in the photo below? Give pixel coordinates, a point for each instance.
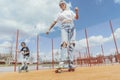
(68, 34)
(25, 61)
(64, 54)
(65, 37)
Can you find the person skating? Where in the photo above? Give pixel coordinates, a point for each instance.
(66, 19)
(25, 53)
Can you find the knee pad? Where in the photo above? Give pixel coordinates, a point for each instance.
(73, 44)
(64, 45)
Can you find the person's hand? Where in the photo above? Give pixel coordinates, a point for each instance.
(17, 51)
(76, 12)
(47, 32)
(76, 9)
(22, 52)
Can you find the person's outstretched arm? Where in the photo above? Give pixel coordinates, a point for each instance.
(52, 25)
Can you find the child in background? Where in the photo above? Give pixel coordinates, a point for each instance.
(26, 53)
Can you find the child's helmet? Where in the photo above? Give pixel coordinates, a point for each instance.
(62, 1)
(23, 43)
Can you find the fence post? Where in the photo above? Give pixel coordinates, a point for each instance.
(113, 36)
(16, 52)
(52, 54)
(37, 52)
(88, 49)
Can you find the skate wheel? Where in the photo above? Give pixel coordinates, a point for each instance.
(73, 70)
(26, 70)
(69, 70)
(58, 71)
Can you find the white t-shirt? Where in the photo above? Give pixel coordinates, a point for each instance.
(64, 16)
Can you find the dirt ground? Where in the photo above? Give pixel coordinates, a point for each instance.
(111, 72)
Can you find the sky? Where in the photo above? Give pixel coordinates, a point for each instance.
(34, 17)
